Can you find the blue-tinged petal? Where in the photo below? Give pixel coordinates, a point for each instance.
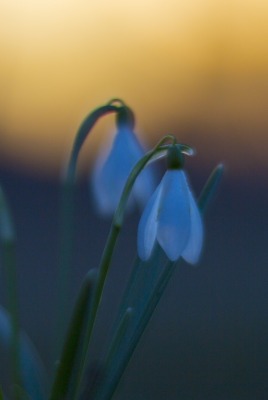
(174, 214)
(144, 186)
(147, 228)
(194, 246)
(104, 186)
(128, 148)
(145, 183)
(112, 170)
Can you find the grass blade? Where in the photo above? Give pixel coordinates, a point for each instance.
(64, 375)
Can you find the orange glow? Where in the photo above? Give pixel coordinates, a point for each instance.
(197, 69)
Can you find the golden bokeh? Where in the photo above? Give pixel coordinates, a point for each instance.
(198, 69)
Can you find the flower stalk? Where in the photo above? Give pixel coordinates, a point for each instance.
(109, 249)
(66, 217)
(120, 362)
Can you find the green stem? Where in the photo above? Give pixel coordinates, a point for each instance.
(104, 266)
(135, 337)
(109, 249)
(66, 217)
(159, 149)
(82, 134)
(7, 237)
(120, 366)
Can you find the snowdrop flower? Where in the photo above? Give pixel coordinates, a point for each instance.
(113, 168)
(172, 218)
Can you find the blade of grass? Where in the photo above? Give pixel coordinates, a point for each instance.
(210, 187)
(65, 370)
(121, 361)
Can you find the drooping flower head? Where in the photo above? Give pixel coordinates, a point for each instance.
(115, 164)
(172, 217)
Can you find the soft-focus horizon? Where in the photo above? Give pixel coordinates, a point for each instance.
(197, 69)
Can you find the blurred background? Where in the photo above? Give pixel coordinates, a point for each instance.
(197, 69)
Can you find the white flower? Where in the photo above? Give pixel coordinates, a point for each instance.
(112, 170)
(171, 218)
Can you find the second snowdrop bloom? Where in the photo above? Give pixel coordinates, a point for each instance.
(113, 168)
(172, 219)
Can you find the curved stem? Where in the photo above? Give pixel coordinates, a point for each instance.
(116, 100)
(82, 134)
(110, 386)
(66, 217)
(109, 249)
(151, 155)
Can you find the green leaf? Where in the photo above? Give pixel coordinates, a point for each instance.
(210, 187)
(65, 372)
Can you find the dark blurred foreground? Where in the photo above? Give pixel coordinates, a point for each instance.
(208, 338)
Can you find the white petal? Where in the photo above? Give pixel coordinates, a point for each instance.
(112, 170)
(148, 225)
(174, 214)
(130, 142)
(145, 183)
(144, 186)
(107, 182)
(194, 246)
